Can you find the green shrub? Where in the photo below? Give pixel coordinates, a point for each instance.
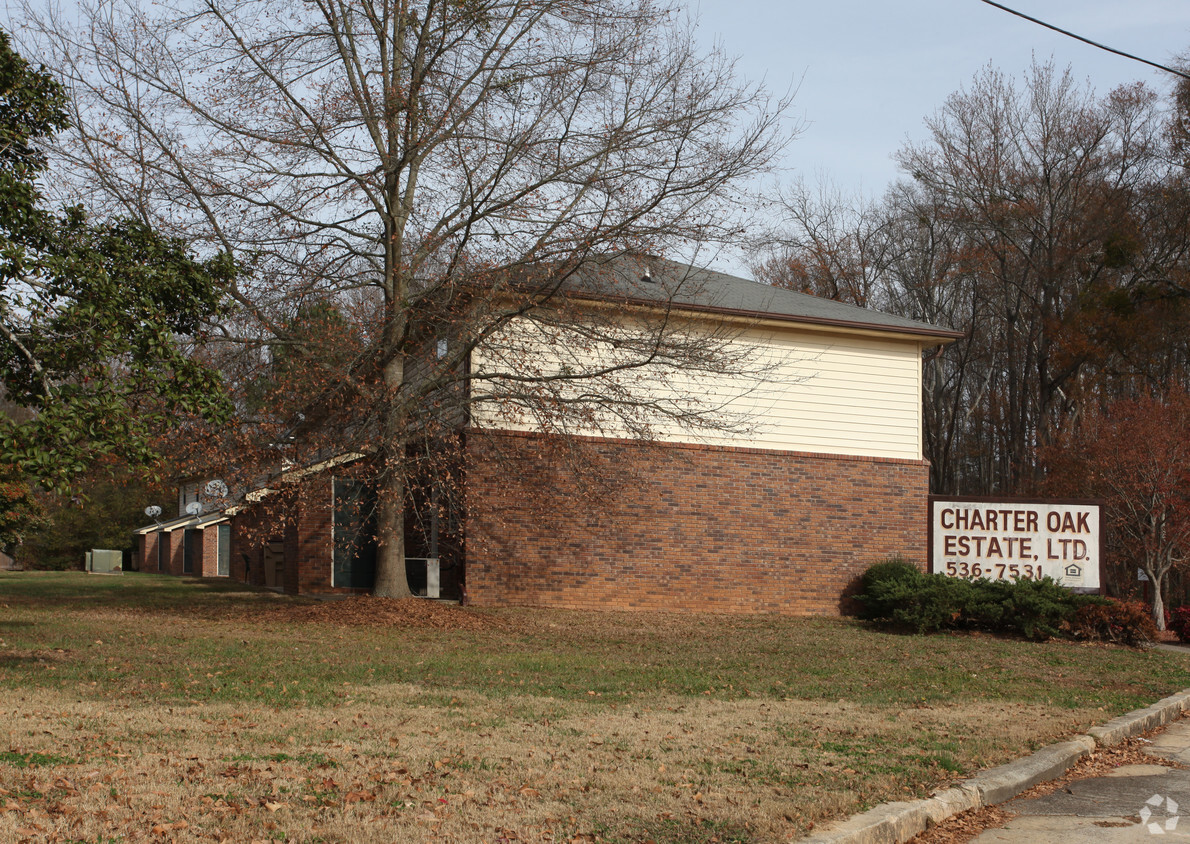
(988, 605)
(886, 587)
(936, 604)
(1037, 608)
(883, 585)
(896, 593)
(1117, 622)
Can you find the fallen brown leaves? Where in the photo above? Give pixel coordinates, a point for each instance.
(366, 611)
(966, 826)
(353, 611)
(388, 768)
(393, 767)
(164, 829)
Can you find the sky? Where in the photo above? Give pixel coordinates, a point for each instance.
(868, 72)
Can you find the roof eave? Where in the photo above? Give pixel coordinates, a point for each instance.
(184, 522)
(938, 336)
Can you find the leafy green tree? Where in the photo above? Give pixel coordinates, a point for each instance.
(91, 312)
(109, 505)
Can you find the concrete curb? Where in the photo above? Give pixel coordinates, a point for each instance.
(896, 823)
(1142, 720)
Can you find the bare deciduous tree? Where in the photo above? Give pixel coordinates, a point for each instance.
(828, 246)
(1046, 223)
(1042, 179)
(428, 169)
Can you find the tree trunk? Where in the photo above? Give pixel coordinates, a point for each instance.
(1158, 600)
(390, 536)
(390, 493)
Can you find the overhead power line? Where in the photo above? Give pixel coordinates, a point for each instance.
(1087, 40)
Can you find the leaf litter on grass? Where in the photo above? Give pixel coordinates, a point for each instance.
(248, 716)
(386, 767)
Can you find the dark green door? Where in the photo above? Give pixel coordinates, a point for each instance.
(191, 549)
(224, 550)
(355, 534)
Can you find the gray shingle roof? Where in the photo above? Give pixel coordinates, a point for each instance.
(692, 288)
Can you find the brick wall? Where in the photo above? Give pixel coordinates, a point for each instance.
(247, 559)
(306, 537)
(683, 527)
(209, 565)
(174, 551)
(315, 551)
(146, 548)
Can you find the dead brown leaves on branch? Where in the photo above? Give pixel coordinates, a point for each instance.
(389, 227)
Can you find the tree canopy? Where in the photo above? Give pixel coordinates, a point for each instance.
(1135, 455)
(94, 314)
(430, 170)
(1047, 223)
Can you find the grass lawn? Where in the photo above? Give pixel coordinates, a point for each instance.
(149, 708)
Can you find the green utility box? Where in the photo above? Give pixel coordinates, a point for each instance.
(103, 561)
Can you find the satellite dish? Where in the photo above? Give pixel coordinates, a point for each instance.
(194, 508)
(216, 489)
(152, 511)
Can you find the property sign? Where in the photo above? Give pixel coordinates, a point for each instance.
(1009, 540)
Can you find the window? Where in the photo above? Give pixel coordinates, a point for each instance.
(354, 534)
(224, 563)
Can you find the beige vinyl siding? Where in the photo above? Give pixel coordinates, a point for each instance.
(420, 366)
(800, 390)
(834, 394)
(187, 494)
